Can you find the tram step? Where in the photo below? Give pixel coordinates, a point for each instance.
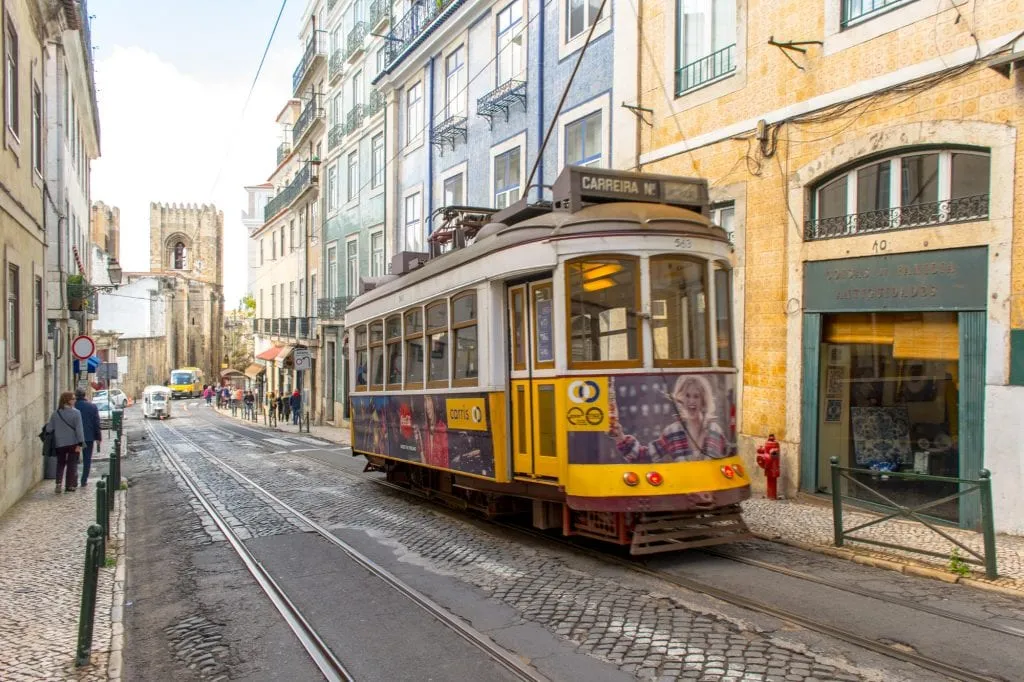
(670, 531)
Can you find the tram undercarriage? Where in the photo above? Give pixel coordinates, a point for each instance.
(643, 532)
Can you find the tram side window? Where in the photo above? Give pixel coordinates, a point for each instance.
(393, 345)
(414, 349)
(437, 343)
(518, 312)
(464, 316)
(377, 355)
(361, 355)
(679, 311)
(603, 299)
(723, 314)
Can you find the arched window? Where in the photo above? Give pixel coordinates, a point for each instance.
(179, 256)
(916, 188)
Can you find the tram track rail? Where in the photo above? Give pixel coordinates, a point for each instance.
(319, 652)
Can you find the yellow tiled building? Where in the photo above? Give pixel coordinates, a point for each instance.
(867, 156)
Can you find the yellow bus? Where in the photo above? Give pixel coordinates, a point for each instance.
(186, 382)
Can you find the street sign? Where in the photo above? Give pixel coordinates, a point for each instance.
(301, 358)
(83, 347)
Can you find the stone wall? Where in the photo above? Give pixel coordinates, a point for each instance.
(147, 363)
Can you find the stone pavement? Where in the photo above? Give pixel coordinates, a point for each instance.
(43, 557)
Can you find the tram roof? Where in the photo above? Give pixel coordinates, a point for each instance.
(597, 219)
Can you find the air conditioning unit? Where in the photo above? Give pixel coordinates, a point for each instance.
(407, 261)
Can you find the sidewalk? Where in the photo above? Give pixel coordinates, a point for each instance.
(334, 434)
(807, 523)
(43, 555)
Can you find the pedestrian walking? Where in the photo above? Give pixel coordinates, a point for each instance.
(208, 394)
(250, 404)
(225, 396)
(91, 429)
(295, 403)
(280, 406)
(68, 437)
(237, 404)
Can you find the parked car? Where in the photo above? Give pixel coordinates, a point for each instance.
(115, 395)
(105, 410)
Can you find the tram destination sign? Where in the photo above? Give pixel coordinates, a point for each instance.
(578, 185)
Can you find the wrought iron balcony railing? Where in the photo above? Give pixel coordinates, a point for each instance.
(314, 49)
(414, 23)
(312, 111)
(283, 150)
(353, 118)
(354, 41)
(856, 11)
(332, 308)
(337, 65)
(375, 105)
(331, 4)
(335, 135)
(501, 99)
(965, 209)
(306, 328)
(380, 14)
(302, 180)
(448, 131)
(706, 69)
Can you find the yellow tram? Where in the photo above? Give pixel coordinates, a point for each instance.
(572, 359)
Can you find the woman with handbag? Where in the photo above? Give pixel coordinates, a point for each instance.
(68, 438)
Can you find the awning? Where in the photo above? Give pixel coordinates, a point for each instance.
(91, 365)
(286, 352)
(254, 370)
(225, 373)
(270, 353)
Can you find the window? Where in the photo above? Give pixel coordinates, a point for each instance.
(313, 295)
(455, 82)
(376, 355)
(706, 37)
(413, 230)
(352, 267)
(724, 215)
(337, 110)
(377, 161)
(506, 178)
(273, 246)
(393, 345)
(353, 176)
(282, 241)
(67, 103)
(517, 310)
(604, 294)
(414, 355)
(583, 141)
(273, 301)
(377, 254)
(261, 251)
(291, 299)
(361, 358)
(332, 187)
(453, 190)
(332, 270)
(13, 310)
(464, 336)
(37, 312)
(437, 342)
(11, 76)
(357, 89)
(37, 129)
(381, 59)
(679, 311)
(179, 256)
(413, 113)
(723, 313)
(291, 234)
(856, 11)
(927, 187)
(510, 60)
(581, 14)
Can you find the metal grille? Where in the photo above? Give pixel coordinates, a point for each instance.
(310, 112)
(961, 210)
(706, 69)
(412, 25)
(314, 49)
(855, 11)
(285, 197)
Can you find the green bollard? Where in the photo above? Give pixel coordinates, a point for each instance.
(114, 478)
(117, 421)
(87, 613)
(837, 503)
(987, 524)
(101, 511)
(110, 500)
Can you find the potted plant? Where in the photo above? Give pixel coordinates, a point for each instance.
(76, 292)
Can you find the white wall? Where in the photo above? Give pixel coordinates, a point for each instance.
(132, 309)
(1004, 432)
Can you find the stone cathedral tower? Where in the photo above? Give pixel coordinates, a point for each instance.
(186, 245)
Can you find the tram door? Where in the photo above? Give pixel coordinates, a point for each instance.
(531, 330)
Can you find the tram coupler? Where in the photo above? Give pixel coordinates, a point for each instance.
(769, 459)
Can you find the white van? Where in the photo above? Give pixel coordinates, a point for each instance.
(156, 402)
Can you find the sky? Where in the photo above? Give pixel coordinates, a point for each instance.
(171, 80)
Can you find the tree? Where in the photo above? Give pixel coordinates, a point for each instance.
(247, 305)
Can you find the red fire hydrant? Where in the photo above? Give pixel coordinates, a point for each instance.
(768, 458)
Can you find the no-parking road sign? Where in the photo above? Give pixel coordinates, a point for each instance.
(83, 347)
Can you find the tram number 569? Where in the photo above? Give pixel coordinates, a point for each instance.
(682, 243)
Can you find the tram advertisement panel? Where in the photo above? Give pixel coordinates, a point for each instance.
(447, 432)
(651, 418)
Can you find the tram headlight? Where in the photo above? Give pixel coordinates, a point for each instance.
(738, 468)
(727, 471)
(654, 478)
(630, 478)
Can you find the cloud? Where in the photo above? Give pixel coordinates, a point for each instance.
(169, 137)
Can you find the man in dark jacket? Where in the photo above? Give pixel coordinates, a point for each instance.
(295, 403)
(91, 427)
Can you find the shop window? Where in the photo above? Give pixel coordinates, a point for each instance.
(603, 297)
(889, 401)
(361, 358)
(679, 311)
(464, 337)
(723, 315)
(517, 310)
(414, 355)
(393, 345)
(376, 355)
(437, 343)
(929, 187)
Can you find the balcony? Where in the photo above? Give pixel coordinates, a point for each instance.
(283, 150)
(314, 50)
(963, 210)
(448, 131)
(380, 15)
(306, 328)
(332, 308)
(706, 69)
(335, 136)
(501, 99)
(856, 11)
(337, 65)
(417, 22)
(375, 105)
(355, 43)
(311, 112)
(352, 119)
(302, 181)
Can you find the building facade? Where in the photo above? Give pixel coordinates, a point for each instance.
(105, 226)
(867, 159)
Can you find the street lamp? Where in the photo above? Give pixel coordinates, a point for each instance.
(114, 271)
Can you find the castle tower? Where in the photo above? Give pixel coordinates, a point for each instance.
(186, 242)
(105, 226)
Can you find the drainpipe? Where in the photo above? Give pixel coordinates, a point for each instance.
(430, 152)
(540, 98)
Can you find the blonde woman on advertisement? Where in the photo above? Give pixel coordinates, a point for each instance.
(694, 435)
